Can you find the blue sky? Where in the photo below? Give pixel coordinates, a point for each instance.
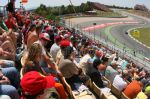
(36, 3)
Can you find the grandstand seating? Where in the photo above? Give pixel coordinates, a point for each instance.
(97, 90)
(123, 96)
(110, 96)
(68, 88)
(82, 95)
(113, 94)
(115, 91)
(109, 83)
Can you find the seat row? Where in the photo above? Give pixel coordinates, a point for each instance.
(97, 92)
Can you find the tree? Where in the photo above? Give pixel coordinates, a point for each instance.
(85, 7)
(81, 7)
(42, 6)
(77, 8)
(62, 9)
(54, 11)
(42, 10)
(70, 9)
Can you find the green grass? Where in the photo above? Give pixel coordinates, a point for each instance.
(108, 14)
(144, 36)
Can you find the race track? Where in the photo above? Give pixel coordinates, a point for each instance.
(118, 31)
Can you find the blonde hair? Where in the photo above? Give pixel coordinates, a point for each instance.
(34, 50)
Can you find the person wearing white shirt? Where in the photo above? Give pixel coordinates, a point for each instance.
(86, 61)
(119, 82)
(111, 72)
(55, 47)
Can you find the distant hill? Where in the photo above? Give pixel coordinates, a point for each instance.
(99, 6)
(141, 7)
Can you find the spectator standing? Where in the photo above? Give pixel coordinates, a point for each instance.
(11, 22)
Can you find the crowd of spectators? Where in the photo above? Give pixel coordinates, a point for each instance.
(35, 53)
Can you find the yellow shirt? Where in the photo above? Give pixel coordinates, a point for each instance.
(141, 95)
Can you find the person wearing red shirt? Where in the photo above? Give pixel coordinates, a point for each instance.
(19, 18)
(10, 22)
(133, 89)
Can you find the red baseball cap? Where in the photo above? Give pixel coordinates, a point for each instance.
(27, 21)
(65, 43)
(58, 38)
(33, 82)
(48, 29)
(69, 33)
(44, 36)
(98, 53)
(61, 28)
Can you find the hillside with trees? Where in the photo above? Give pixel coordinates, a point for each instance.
(61, 10)
(101, 10)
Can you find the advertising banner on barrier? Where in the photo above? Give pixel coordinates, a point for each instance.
(24, 1)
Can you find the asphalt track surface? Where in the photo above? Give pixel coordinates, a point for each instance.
(118, 32)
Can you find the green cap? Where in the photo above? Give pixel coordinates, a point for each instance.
(147, 89)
